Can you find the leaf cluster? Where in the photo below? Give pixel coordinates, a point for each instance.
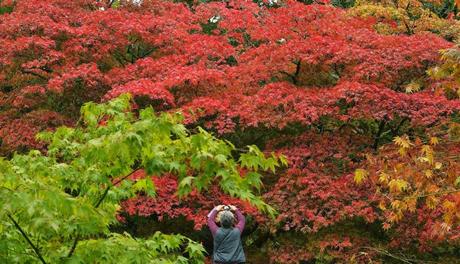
(415, 174)
(59, 207)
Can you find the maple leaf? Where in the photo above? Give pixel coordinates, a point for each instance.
(397, 185)
(360, 175)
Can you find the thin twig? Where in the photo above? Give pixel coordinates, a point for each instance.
(26, 71)
(396, 130)
(74, 245)
(124, 178)
(403, 259)
(382, 124)
(297, 71)
(96, 205)
(36, 250)
(99, 201)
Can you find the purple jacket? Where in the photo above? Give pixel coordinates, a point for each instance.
(228, 247)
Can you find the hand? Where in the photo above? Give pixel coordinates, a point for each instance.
(219, 207)
(232, 207)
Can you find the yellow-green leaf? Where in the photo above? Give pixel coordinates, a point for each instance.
(360, 175)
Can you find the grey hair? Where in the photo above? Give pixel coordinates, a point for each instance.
(226, 219)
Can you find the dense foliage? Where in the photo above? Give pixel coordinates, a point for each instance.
(59, 207)
(329, 84)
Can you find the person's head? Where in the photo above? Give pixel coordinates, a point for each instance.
(226, 219)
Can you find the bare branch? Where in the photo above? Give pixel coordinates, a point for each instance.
(402, 258)
(26, 71)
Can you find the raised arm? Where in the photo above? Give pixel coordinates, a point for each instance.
(211, 221)
(241, 220)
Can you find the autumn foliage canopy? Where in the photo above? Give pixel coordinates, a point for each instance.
(356, 95)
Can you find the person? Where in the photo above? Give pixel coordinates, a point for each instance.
(228, 248)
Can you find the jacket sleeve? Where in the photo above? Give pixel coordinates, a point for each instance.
(211, 222)
(241, 220)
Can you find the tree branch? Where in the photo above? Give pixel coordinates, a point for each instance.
(409, 30)
(120, 58)
(96, 205)
(123, 178)
(295, 75)
(379, 134)
(74, 245)
(402, 258)
(26, 71)
(104, 194)
(395, 130)
(36, 250)
(297, 71)
(289, 75)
